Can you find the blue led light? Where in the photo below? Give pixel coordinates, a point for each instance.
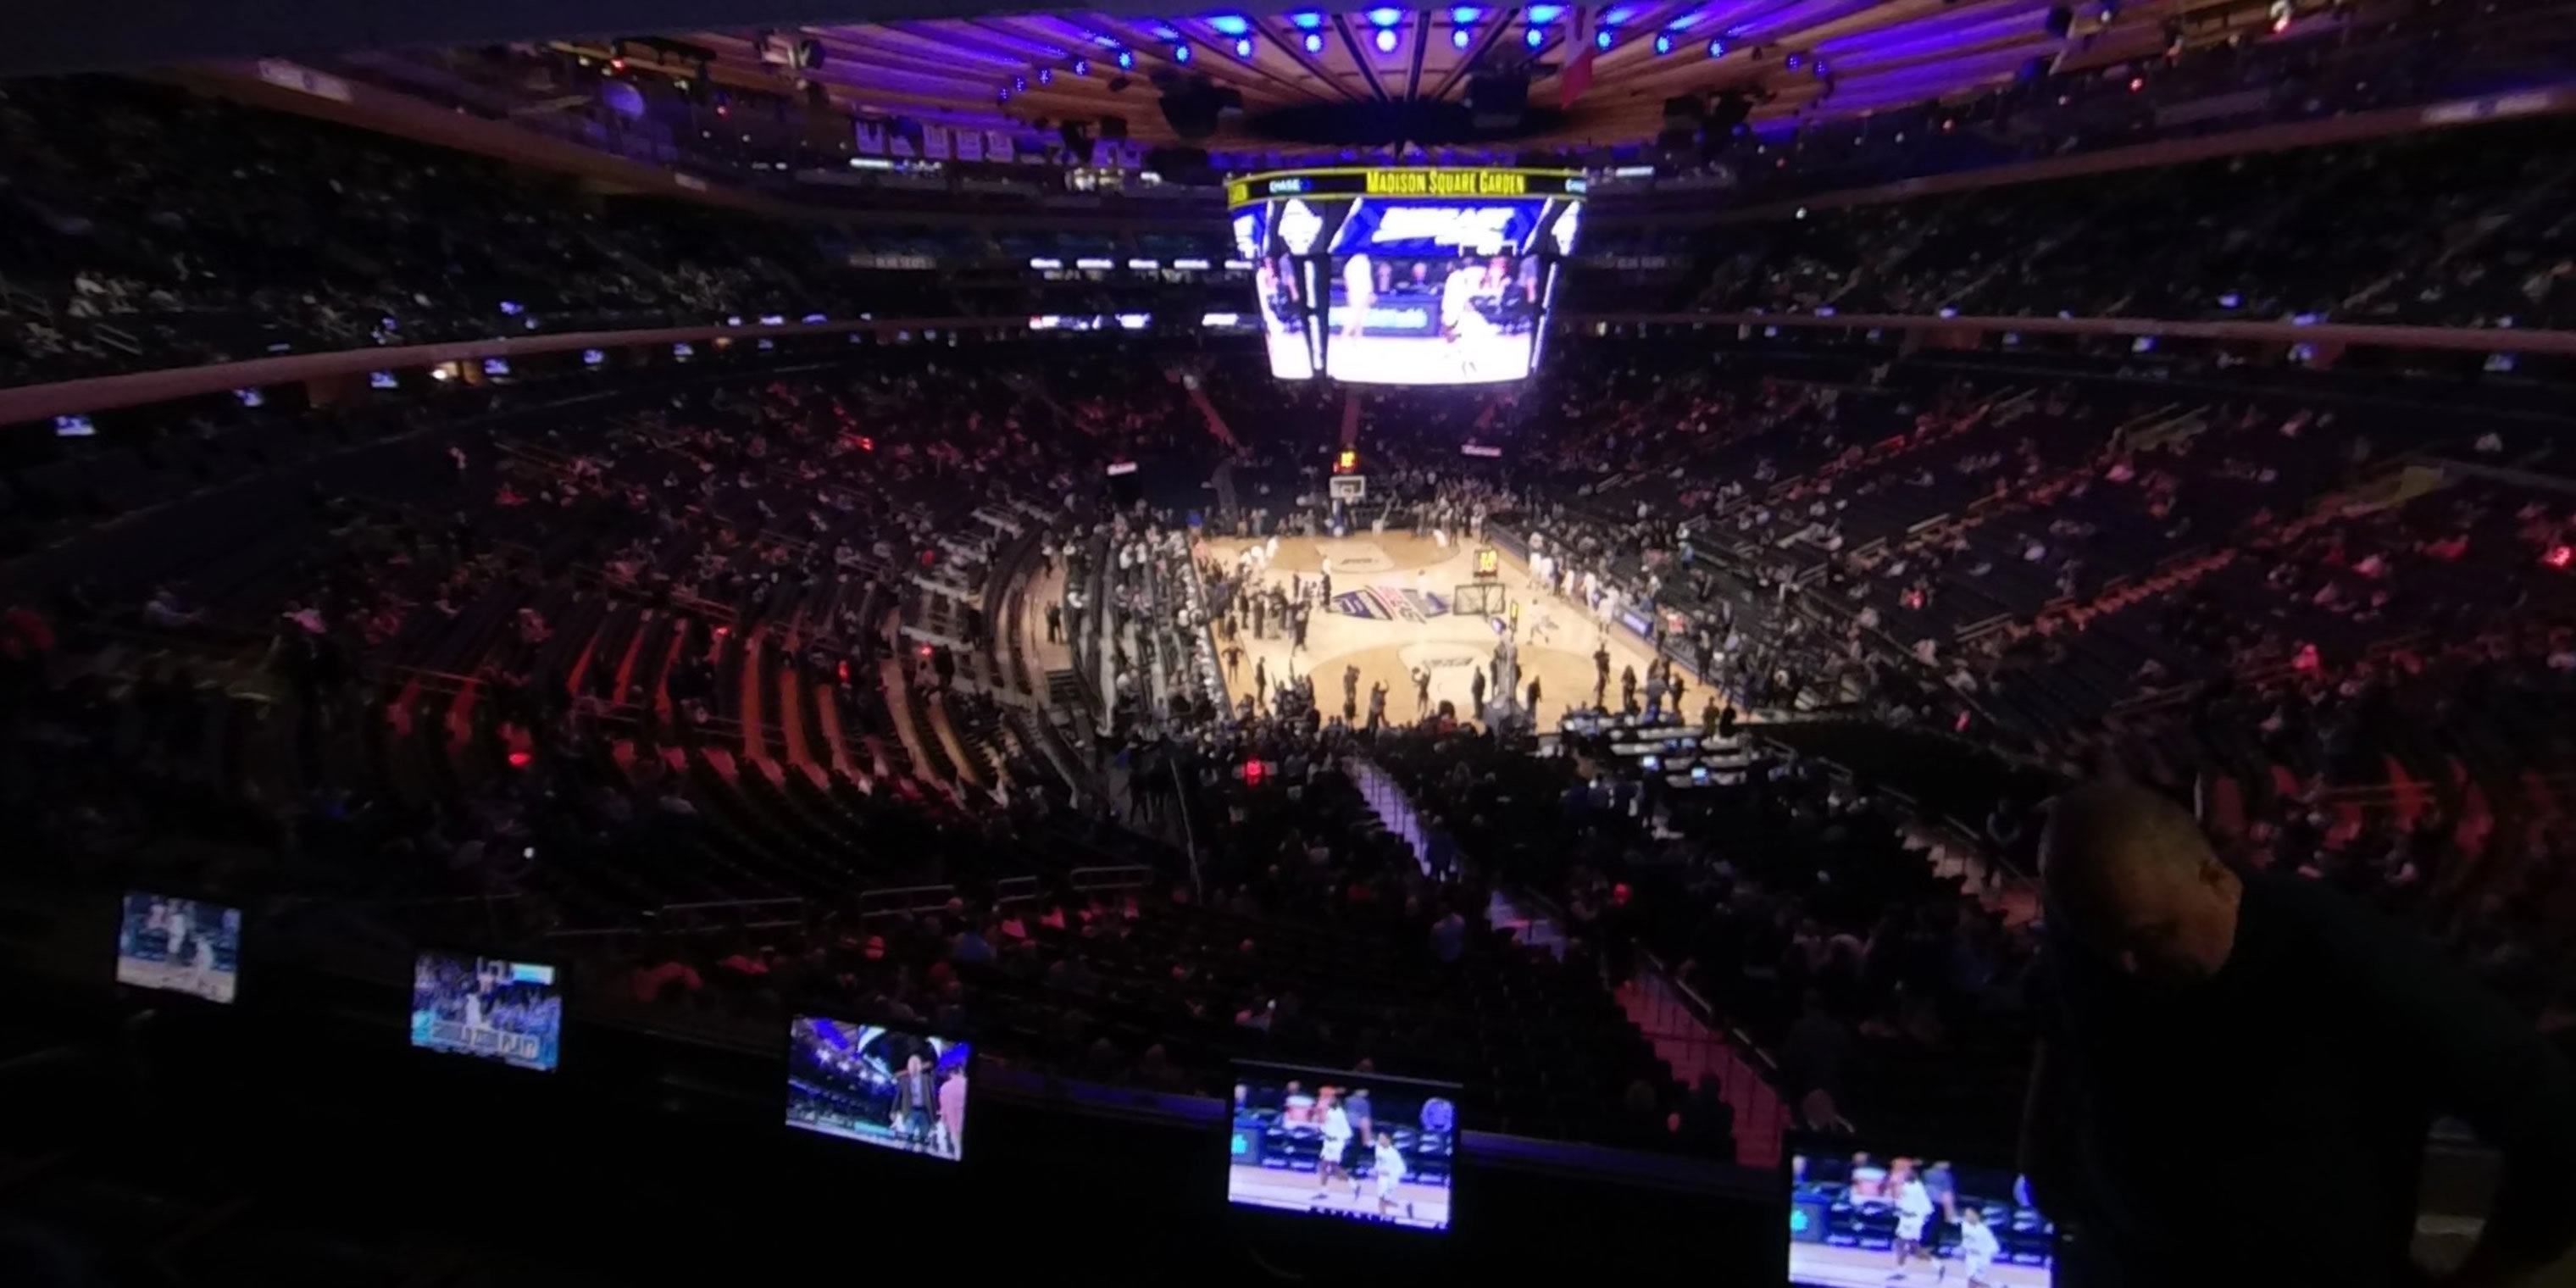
(1685, 22)
(1717, 49)
(1082, 67)
(1464, 14)
(1046, 76)
(1602, 39)
(1462, 37)
(1243, 47)
(1232, 24)
(1126, 60)
(1545, 13)
(1386, 40)
(1534, 37)
(1663, 44)
(1307, 21)
(1385, 15)
(1618, 17)
(1314, 43)
(1180, 53)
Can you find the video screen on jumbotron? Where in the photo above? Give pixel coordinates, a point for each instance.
(484, 1006)
(1406, 276)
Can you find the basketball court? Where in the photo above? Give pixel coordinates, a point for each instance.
(1395, 607)
(1294, 1191)
(1816, 1265)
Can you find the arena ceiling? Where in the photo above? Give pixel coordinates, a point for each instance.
(1305, 76)
(1322, 76)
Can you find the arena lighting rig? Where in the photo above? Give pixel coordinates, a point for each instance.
(1406, 275)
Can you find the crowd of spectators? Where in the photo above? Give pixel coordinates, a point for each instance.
(2318, 66)
(2450, 228)
(144, 226)
(731, 683)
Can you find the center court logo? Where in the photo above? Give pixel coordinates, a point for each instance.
(1356, 557)
(1437, 658)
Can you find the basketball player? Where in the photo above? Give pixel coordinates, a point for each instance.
(1978, 1245)
(174, 954)
(1359, 292)
(1337, 1140)
(1913, 1213)
(1390, 1172)
(1460, 320)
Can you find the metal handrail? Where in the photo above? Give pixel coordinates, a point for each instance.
(1110, 876)
(904, 899)
(778, 902)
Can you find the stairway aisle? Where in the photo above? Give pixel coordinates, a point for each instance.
(1657, 1007)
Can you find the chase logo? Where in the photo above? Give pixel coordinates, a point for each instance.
(1362, 603)
(1419, 605)
(1388, 604)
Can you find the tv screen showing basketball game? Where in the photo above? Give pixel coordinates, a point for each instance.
(1407, 275)
(179, 946)
(1355, 1147)
(892, 1088)
(489, 1007)
(1859, 1218)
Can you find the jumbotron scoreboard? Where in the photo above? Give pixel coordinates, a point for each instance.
(1406, 275)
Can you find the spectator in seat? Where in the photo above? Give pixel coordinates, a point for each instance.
(1707, 1121)
(1449, 937)
(2255, 1045)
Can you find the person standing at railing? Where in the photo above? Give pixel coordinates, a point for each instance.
(2238, 1071)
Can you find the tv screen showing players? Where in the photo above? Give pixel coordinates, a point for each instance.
(1862, 1218)
(500, 1010)
(179, 946)
(888, 1087)
(1354, 1147)
(1405, 276)
(1434, 293)
(1280, 281)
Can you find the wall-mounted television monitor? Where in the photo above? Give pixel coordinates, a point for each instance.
(1863, 1217)
(382, 380)
(894, 1088)
(488, 1007)
(1349, 1146)
(179, 945)
(74, 427)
